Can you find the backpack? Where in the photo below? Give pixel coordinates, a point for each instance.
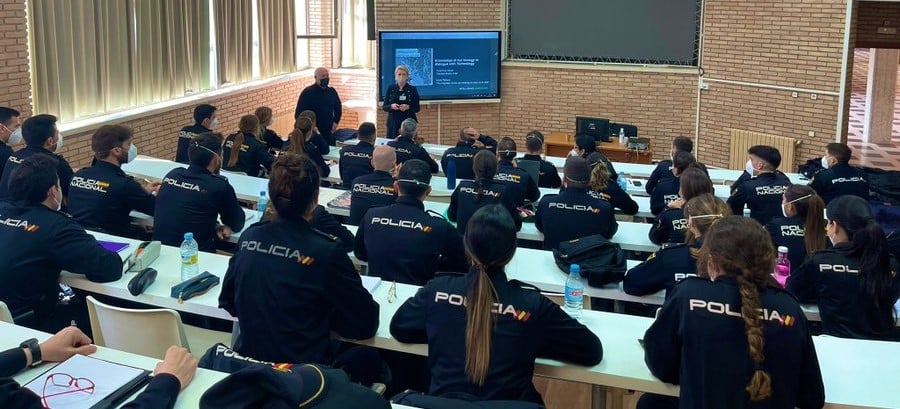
(601, 261)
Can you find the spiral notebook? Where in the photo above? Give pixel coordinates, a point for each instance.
(83, 382)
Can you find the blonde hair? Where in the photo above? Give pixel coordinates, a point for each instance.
(248, 124)
(302, 128)
(401, 68)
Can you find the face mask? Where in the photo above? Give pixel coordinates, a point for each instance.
(214, 123)
(59, 141)
(825, 162)
(16, 137)
(749, 167)
(132, 153)
(784, 208)
(323, 83)
(784, 211)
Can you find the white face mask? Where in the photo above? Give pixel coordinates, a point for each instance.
(825, 162)
(132, 153)
(16, 137)
(214, 123)
(59, 141)
(749, 167)
(784, 208)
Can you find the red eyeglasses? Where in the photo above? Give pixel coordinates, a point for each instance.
(59, 384)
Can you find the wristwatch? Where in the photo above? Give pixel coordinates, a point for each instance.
(35, 348)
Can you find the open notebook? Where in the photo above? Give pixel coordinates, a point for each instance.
(82, 382)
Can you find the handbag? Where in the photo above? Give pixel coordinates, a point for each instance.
(600, 260)
(141, 281)
(193, 287)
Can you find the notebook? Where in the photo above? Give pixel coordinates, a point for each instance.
(112, 246)
(83, 382)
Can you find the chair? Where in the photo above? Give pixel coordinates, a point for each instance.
(144, 332)
(5, 313)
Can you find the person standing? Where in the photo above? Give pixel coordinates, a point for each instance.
(324, 101)
(401, 101)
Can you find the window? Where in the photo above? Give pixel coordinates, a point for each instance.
(356, 49)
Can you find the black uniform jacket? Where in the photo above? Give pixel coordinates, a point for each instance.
(185, 136)
(518, 181)
(251, 159)
(788, 232)
(63, 170)
(666, 192)
(464, 202)
(662, 270)
(356, 161)
(102, 196)
(762, 194)
(462, 154)
(373, 190)
(291, 286)
(549, 174)
(618, 198)
(528, 325)
(191, 200)
(699, 342)
(407, 149)
(573, 214)
(670, 227)
(838, 180)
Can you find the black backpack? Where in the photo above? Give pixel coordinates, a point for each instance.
(601, 261)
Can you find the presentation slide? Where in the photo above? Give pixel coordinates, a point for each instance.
(454, 65)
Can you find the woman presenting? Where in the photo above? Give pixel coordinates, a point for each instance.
(400, 102)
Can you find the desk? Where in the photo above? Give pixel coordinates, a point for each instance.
(559, 144)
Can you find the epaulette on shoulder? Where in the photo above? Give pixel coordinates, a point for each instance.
(326, 236)
(524, 285)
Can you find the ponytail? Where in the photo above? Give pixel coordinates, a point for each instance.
(484, 165)
(302, 128)
(875, 279)
(479, 325)
(814, 226)
(236, 145)
(599, 176)
(760, 386)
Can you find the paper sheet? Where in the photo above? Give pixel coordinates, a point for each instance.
(370, 283)
(107, 378)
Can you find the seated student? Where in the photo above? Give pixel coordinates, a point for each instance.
(670, 265)
(407, 149)
(300, 142)
(462, 155)
(39, 242)
(41, 136)
(839, 178)
(327, 223)
(474, 351)
(549, 174)
(316, 287)
(696, 345)
(10, 134)
(584, 146)
(375, 189)
(761, 186)
(204, 121)
(519, 182)
(356, 160)
(470, 195)
(244, 152)
(269, 138)
(321, 145)
(802, 229)
(852, 282)
(192, 199)
(603, 188)
(663, 169)
(402, 242)
(666, 190)
(479, 140)
(574, 213)
(171, 375)
(102, 196)
(670, 226)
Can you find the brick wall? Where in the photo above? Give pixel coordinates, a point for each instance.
(871, 16)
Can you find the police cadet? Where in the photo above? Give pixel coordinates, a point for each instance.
(480, 140)
(102, 196)
(517, 180)
(407, 149)
(574, 213)
(470, 195)
(761, 186)
(244, 152)
(402, 242)
(41, 136)
(666, 190)
(663, 169)
(852, 282)
(671, 226)
(802, 229)
(670, 265)
(549, 174)
(10, 134)
(204, 121)
(462, 155)
(267, 136)
(733, 338)
(484, 331)
(602, 187)
(190, 200)
(301, 141)
(288, 263)
(375, 189)
(584, 146)
(356, 160)
(38, 242)
(839, 178)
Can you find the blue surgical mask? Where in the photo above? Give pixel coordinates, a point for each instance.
(132, 152)
(16, 137)
(749, 167)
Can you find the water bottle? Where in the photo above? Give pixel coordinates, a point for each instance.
(261, 205)
(622, 182)
(451, 173)
(622, 136)
(782, 266)
(574, 292)
(190, 266)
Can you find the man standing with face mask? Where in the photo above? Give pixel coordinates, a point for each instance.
(325, 102)
(102, 196)
(41, 136)
(10, 134)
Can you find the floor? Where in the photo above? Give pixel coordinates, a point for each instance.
(869, 154)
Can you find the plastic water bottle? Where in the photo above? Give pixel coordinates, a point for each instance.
(451, 173)
(622, 182)
(782, 266)
(622, 136)
(574, 292)
(190, 266)
(261, 205)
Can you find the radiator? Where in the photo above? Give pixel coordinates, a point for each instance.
(742, 140)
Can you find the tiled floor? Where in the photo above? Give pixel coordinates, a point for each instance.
(870, 154)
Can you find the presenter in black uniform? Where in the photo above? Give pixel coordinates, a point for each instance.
(574, 213)
(404, 243)
(476, 351)
(407, 148)
(401, 101)
(671, 264)
(602, 186)
(192, 199)
(733, 338)
(761, 185)
(461, 155)
(102, 196)
(839, 178)
(204, 121)
(325, 102)
(852, 282)
(375, 189)
(802, 229)
(518, 181)
(291, 285)
(471, 195)
(534, 147)
(245, 153)
(10, 134)
(671, 226)
(39, 241)
(356, 160)
(41, 136)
